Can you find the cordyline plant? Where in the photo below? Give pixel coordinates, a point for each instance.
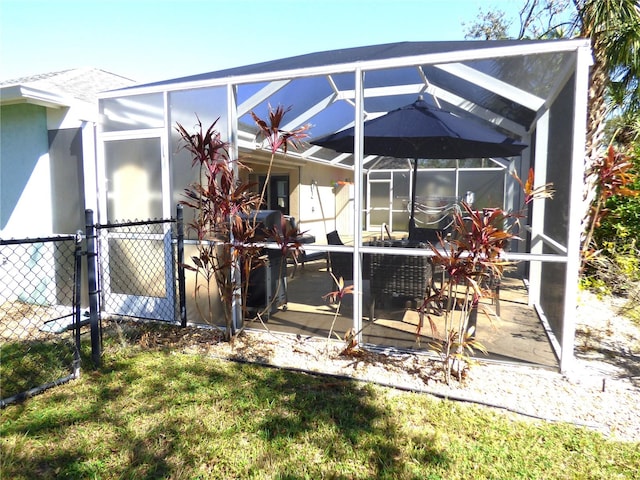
(473, 265)
(335, 298)
(613, 173)
(226, 231)
(287, 236)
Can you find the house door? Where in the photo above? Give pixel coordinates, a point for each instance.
(277, 193)
(136, 259)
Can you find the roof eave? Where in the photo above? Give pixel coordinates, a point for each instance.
(17, 94)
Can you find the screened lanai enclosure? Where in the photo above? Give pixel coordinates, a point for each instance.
(353, 207)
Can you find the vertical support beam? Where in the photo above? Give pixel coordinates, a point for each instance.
(92, 283)
(581, 86)
(456, 190)
(358, 155)
(182, 290)
(232, 132)
(166, 185)
(390, 201)
(538, 206)
(165, 164)
(513, 195)
(367, 215)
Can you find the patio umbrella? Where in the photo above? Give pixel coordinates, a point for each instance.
(418, 131)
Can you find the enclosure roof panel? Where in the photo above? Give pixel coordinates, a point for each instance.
(348, 56)
(506, 84)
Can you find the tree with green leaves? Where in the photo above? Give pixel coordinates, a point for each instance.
(613, 27)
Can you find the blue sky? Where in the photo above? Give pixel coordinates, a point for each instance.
(148, 40)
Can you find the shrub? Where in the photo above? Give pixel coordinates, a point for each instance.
(614, 268)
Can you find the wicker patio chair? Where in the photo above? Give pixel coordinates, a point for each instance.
(399, 276)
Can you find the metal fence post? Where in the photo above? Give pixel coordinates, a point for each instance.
(77, 282)
(182, 301)
(92, 282)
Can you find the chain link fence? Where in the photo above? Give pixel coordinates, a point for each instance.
(130, 271)
(39, 310)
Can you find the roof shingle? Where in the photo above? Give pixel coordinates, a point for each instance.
(79, 83)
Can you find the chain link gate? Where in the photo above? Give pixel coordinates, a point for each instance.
(134, 272)
(40, 317)
(137, 270)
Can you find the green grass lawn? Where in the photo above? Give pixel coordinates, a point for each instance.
(157, 414)
(27, 364)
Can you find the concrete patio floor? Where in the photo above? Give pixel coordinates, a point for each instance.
(516, 336)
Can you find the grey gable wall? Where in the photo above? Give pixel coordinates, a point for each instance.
(67, 180)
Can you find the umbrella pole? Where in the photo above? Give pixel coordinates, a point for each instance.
(412, 221)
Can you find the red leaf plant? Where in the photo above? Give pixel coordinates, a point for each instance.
(227, 249)
(613, 173)
(473, 263)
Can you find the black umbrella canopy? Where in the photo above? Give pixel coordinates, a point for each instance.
(419, 130)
